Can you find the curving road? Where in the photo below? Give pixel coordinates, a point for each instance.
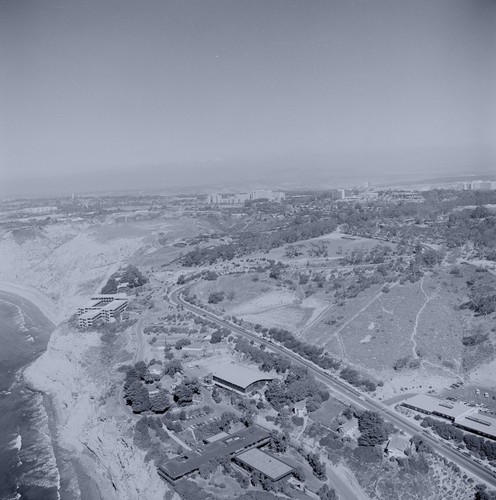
(347, 392)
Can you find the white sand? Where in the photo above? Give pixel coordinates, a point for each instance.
(44, 303)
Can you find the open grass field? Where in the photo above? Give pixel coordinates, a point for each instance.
(327, 412)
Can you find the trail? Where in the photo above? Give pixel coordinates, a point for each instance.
(318, 317)
(417, 318)
(365, 307)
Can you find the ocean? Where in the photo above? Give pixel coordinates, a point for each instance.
(28, 464)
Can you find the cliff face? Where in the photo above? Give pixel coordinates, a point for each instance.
(66, 262)
(91, 424)
(56, 267)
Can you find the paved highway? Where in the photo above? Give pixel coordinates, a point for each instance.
(347, 392)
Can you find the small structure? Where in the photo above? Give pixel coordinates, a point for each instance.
(397, 445)
(216, 437)
(240, 378)
(269, 466)
(300, 408)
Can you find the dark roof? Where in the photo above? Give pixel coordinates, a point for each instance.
(227, 446)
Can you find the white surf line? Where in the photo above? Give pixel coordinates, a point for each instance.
(365, 307)
(414, 332)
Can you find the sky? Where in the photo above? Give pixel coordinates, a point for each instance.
(197, 90)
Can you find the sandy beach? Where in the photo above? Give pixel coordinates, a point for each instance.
(44, 303)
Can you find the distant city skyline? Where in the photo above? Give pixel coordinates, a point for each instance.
(243, 93)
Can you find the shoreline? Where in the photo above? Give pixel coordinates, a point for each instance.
(94, 459)
(75, 481)
(41, 301)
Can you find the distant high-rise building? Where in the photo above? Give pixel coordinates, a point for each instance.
(481, 185)
(240, 198)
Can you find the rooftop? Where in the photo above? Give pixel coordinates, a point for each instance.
(478, 422)
(92, 303)
(430, 404)
(90, 314)
(227, 446)
(239, 375)
(217, 437)
(106, 296)
(115, 304)
(268, 465)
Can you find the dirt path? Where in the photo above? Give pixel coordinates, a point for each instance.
(318, 317)
(417, 317)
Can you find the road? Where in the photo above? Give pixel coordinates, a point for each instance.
(347, 392)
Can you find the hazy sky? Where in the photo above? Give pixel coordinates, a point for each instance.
(88, 85)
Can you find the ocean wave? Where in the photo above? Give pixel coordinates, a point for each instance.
(39, 464)
(16, 444)
(19, 319)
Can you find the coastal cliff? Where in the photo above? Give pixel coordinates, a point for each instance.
(55, 269)
(91, 426)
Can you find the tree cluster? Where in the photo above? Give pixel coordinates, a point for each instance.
(318, 467)
(130, 275)
(298, 384)
(184, 392)
(266, 361)
(305, 350)
(373, 429)
(354, 377)
(216, 297)
(250, 242)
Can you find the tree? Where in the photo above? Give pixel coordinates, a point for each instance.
(173, 367)
(110, 287)
(226, 419)
(372, 428)
(278, 441)
(183, 395)
(216, 337)
(318, 467)
(137, 395)
(140, 368)
(160, 401)
(326, 493)
(216, 297)
(182, 343)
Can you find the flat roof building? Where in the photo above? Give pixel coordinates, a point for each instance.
(87, 319)
(228, 446)
(463, 416)
(112, 309)
(216, 437)
(240, 378)
(105, 297)
(105, 307)
(434, 406)
(269, 466)
(478, 423)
